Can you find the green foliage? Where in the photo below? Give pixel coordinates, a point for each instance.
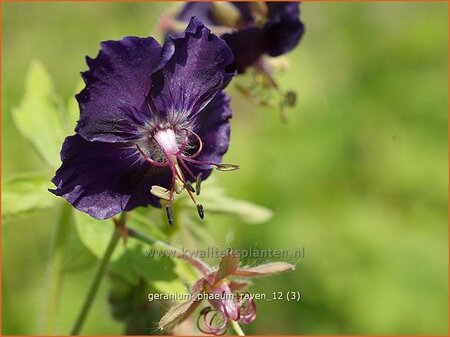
(129, 304)
(25, 193)
(217, 202)
(38, 117)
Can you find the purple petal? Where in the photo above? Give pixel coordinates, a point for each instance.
(103, 179)
(280, 34)
(213, 127)
(192, 76)
(201, 10)
(248, 45)
(117, 83)
(284, 29)
(226, 304)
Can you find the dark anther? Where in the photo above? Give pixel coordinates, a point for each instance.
(200, 211)
(189, 186)
(227, 167)
(198, 183)
(290, 98)
(169, 214)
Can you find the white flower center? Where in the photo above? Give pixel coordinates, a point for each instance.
(168, 141)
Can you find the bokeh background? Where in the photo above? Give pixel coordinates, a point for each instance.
(358, 177)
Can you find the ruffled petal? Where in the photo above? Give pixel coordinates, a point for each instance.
(117, 84)
(103, 179)
(284, 29)
(201, 10)
(192, 76)
(248, 45)
(214, 130)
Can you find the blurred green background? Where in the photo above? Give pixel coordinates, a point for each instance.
(358, 177)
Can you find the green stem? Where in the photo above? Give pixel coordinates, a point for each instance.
(175, 252)
(237, 328)
(98, 277)
(53, 289)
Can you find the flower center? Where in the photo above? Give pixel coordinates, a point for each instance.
(172, 147)
(167, 141)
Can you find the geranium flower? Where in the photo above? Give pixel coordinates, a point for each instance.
(153, 120)
(221, 288)
(251, 29)
(256, 32)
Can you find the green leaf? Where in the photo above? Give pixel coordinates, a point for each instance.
(146, 225)
(77, 256)
(133, 265)
(25, 193)
(38, 118)
(96, 234)
(81, 260)
(214, 200)
(123, 266)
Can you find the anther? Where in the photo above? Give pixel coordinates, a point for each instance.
(227, 167)
(160, 192)
(169, 214)
(200, 211)
(198, 183)
(189, 186)
(290, 98)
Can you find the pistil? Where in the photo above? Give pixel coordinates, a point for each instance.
(174, 156)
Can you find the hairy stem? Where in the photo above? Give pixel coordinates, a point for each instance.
(98, 276)
(237, 328)
(55, 268)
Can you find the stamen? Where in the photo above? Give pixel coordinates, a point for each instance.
(198, 183)
(169, 213)
(160, 192)
(227, 167)
(189, 186)
(180, 160)
(150, 160)
(174, 158)
(226, 14)
(185, 142)
(220, 167)
(259, 12)
(290, 98)
(200, 144)
(200, 211)
(178, 185)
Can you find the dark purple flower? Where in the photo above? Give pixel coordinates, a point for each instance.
(251, 29)
(256, 32)
(153, 120)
